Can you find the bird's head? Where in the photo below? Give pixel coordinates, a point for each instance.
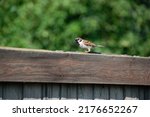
(78, 39)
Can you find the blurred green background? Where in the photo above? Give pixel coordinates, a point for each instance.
(122, 26)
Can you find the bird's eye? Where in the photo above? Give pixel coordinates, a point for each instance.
(80, 40)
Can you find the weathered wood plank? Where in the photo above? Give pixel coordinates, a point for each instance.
(116, 93)
(85, 92)
(12, 91)
(32, 91)
(17, 65)
(101, 92)
(53, 91)
(0, 91)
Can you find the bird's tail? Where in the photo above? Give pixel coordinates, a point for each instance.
(100, 46)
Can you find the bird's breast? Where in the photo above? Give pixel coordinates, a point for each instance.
(82, 45)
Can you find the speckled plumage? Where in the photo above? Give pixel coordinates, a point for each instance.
(85, 44)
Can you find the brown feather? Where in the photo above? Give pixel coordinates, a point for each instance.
(88, 43)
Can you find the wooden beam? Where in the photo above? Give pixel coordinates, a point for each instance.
(25, 65)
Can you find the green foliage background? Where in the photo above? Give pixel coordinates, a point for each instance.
(123, 26)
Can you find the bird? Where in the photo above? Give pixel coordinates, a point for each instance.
(86, 44)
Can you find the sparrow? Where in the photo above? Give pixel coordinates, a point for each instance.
(85, 44)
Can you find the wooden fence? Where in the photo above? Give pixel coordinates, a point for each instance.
(41, 74)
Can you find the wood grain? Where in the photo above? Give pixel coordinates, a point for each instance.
(25, 65)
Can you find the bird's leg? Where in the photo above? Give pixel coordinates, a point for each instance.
(88, 50)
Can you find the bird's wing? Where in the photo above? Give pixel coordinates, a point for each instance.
(88, 43)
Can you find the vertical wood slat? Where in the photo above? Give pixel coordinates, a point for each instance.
(72, 91)
(12, 91)
(68, 91)
(147, 93)
(116, 93)
(44, 91)
(0, 91)
(131, 93)
(101, 92)
(63, 91)
(32, 91)
(85, 92)
(141, 92)
(53, 91)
